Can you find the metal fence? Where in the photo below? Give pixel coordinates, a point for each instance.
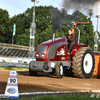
(10, 46)
(9, 50)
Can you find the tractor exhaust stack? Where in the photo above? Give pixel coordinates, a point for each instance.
(53, 38)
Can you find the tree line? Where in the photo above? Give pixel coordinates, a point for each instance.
(43, 26)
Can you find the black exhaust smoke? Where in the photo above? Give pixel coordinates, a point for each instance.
(57, 19)
(74, 5)
(80, 5)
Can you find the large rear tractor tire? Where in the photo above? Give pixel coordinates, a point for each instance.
(59, 70)
(83, 63)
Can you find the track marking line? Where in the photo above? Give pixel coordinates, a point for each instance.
(58, 92)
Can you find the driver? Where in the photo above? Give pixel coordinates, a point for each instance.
(71, 38)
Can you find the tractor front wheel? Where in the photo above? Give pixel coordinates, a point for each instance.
(83, 63)
(59, 70)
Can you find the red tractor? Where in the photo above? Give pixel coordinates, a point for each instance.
(51, 56)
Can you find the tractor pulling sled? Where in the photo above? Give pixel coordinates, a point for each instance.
(51, 56)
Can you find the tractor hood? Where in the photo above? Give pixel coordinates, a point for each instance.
(47, 50)
(50, 42)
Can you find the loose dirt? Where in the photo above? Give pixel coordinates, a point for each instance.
(46, 82)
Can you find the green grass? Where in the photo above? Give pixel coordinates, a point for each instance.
(62, 97)
(15, 68)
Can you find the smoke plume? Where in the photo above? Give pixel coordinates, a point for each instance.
(57, 18)
(73, 5)
(81, 5)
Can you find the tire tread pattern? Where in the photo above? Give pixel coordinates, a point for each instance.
(77, 61)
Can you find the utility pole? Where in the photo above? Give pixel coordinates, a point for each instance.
(91, 13)
(32, 34)
(96, 37)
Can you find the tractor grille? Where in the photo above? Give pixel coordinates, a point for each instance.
(53, 48)
(41, 49)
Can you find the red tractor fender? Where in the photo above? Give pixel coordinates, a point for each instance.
(77, 47)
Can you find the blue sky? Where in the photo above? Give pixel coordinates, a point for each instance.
(15, 7)
(19, 6)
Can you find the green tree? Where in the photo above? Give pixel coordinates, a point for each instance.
(4, 26)
(23, 21)
(20, 29)
(86, 31)
(87, 34)
(43, 26)
(4, 18)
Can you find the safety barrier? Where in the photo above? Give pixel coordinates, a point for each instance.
(9, 50)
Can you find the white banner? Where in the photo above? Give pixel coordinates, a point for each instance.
(12, 86)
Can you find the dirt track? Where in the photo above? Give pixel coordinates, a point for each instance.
(46, 82)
